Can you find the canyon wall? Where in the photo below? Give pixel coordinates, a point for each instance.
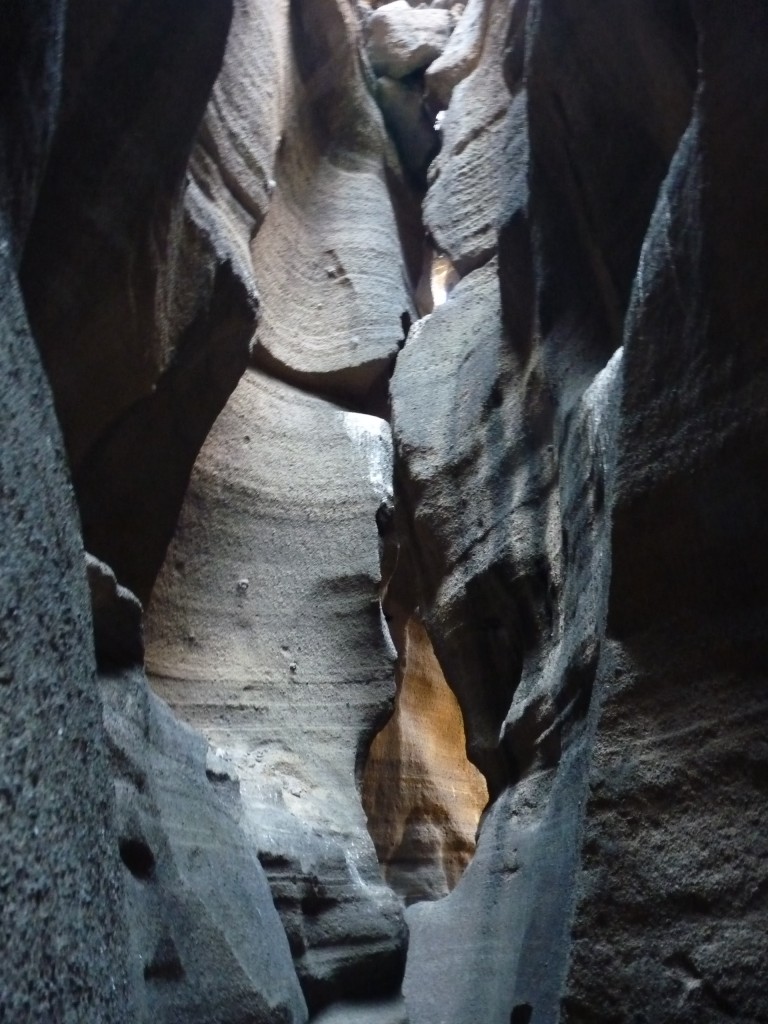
(401, 368)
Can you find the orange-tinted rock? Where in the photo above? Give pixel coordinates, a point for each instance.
(422, 796)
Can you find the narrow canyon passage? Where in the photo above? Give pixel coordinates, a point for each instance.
(382, 583)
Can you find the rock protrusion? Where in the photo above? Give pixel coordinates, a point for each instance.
(402, 39)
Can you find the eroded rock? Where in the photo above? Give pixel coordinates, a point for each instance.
(422, 797)
(402, 39)
(328, 259)
(290, 672)
(206, 940)
(479, 176)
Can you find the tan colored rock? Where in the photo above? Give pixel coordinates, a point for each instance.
(327, 261)
(402, 39)
(265, 632)
(422, 797)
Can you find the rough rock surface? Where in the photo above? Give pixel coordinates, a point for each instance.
(578, 519)
(63, 937)
(676, 844)
(265, 632)
(402, 39)
(580, 570)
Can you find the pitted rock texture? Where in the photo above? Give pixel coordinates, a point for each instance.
(680, 755)
(63, 936)
(586, 629)
(422, 797)
(266, 633)
(578, 518)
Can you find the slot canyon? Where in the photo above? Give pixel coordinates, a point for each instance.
(384, 481)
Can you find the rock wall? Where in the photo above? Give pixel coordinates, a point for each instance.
(473, 585)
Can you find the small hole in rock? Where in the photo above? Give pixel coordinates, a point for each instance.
(137, 857)
(443, 279)
(521, 1014)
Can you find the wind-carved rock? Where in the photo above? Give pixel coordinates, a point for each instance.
(205, 939)
(479, 177)
(422, 797)
(328, 260)
(266, 633)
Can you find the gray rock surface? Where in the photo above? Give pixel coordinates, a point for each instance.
(462, 54)
(402, 39)
(207, 944)
(578, 520)
(63, 935)
(62, 930)
(123, 247)
(265, 632)
(479, 176)
(675, 852)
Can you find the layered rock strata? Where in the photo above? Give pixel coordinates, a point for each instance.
(225, 199)
(265, 632)
(423, 799)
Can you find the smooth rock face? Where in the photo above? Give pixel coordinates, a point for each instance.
(328, 260)
(478, 480)
(492, 587)
(422, 797)
(140, 301)
(402, 39)
(206, 941)
(266, 633)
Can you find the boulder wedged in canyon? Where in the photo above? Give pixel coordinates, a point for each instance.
(266, 633)
(401, 39)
